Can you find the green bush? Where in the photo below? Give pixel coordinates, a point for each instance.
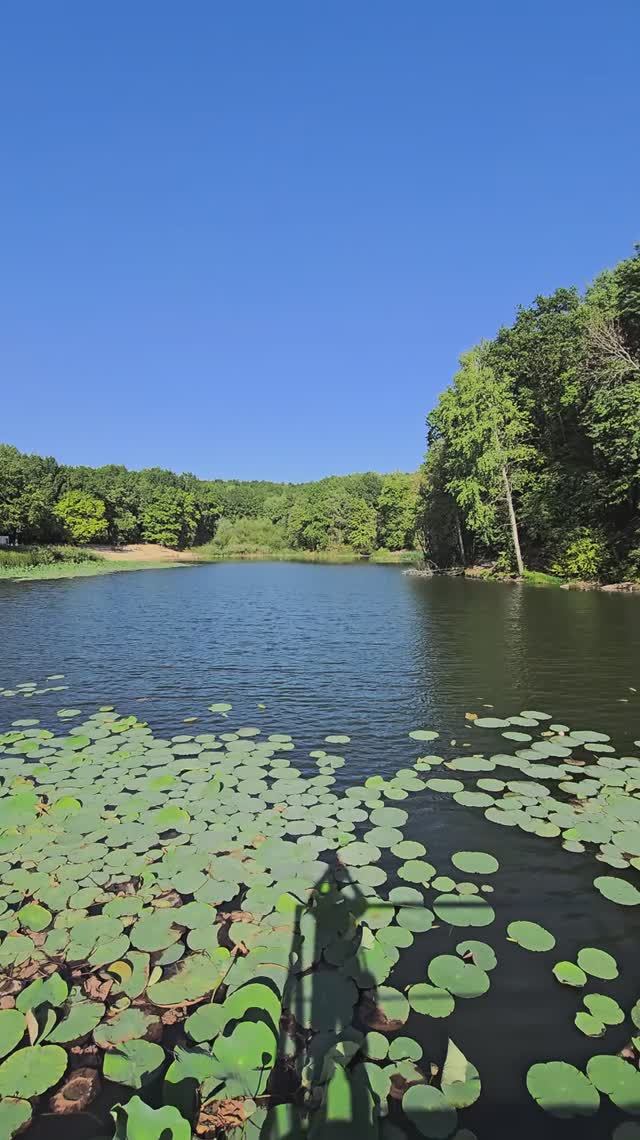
(582, 555)
(22, 557)
(246, 536)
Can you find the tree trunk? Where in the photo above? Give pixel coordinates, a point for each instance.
(513, 521)
(460, 540)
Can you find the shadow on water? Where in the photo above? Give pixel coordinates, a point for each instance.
(322, 1089)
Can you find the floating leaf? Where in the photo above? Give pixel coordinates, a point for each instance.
(463, 979)
(430, 1000)
(136, 1120)
(597, 963)
(604, 1008)
(14, 1116)
(460, 1079)
(569, 974)
(530, 936)
(468, 910)
(617, 890)
(32, 1070)
(618, 1079)
(475, 862)
(429, 1111)
(133, 1063)
(12, 1029)
(562, 1090)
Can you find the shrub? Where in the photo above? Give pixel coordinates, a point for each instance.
(582, 555)
(22, 557)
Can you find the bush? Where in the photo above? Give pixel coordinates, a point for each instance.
(583, 554)
(22, 557)
(247, 536)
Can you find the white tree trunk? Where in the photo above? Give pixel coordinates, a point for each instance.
(513, 521)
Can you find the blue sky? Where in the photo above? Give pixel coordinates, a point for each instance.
(250, 239)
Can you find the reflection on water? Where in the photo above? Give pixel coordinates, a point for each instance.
(373, 653)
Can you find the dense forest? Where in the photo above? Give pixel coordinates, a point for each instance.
(533, 459)
(534, 449)
(43, 501)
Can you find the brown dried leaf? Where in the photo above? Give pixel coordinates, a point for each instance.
(220, 1116)
(97, 988)
(77, 1092)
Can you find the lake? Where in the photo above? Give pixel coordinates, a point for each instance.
(373, 653)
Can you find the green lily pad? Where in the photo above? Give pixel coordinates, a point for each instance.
(32, 1070)
(467, 910)
(429, 1111)
(598, 963)
(196, 976)
(589, 1025)
(562, 1090)
(14, 1116)
(460, 1079)
(430, 1001)
(604, 1008)
(12, 1029)
(133, 1063)
(617, 890)
(462, 979)
(569, 974)
(481, 953)
(618, 1079)
(475, 862)
(125, 1026)
(136, 1120)
(531, 936)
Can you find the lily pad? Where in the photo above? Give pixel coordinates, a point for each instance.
(617, 890)
(32, 1070)
(430, 1000)
(133, 1063)
(562, 1090)
(569, 974)
(429, 1111)
(475, 862)
(462, 979)
(531, 936)
(598, 963)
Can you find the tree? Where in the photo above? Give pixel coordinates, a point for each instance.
(484, 431)
(361, 527)
(397, 510)
(170, 517)
(83, 517)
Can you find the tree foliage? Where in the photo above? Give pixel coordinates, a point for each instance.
(43, 501)
(554, 402)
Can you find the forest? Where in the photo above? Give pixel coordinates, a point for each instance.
(532, 460)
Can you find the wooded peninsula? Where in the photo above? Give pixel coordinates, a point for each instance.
(533, 460)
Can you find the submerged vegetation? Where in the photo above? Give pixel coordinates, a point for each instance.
(207, 928)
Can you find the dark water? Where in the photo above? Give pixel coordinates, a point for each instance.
(370, 652)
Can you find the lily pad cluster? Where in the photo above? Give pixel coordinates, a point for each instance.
(165, 908)
(219, 925)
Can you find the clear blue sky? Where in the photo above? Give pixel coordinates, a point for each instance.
(251, 238)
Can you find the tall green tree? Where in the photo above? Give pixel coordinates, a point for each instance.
(484, 431)
(397, 508)
(83, 517)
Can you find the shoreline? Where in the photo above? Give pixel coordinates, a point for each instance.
(531, 578)
(109, 560)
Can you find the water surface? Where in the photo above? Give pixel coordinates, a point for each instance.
(371, 652)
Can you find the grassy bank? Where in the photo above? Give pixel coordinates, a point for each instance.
(51, 562)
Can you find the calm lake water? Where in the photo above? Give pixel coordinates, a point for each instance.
(371, 652)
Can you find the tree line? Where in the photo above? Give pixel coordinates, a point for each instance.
(43, 501)
(533, 451)
(533, 459)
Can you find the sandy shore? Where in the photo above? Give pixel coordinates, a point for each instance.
(143, 552)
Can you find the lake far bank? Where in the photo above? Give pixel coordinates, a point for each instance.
(151, 556)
